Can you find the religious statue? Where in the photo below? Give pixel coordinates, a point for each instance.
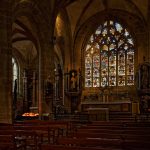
(145, 76)
(73, 80)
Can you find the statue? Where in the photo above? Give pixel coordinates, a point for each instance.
(73, 80)
(144, 78)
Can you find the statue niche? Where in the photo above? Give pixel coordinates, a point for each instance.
(73, 80)
(144, 87)
(145, 76)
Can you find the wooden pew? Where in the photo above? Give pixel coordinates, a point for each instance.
(64, 126)
(7, 142)
(136, 137)
(6, 124)
(130, 131)
(129, 135)
(90, 142)
(106, 123)
(9, 127)
(62, 147)
(95, 135)
(60, 124)
(32, 138)
(137, 124)
(102, 127)
(137, 132)
(117, 131)
(123, 133)
(47, 133)
(120, 123)
(24, 138)
(135, 145)
(138, 129)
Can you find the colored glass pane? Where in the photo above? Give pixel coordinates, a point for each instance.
(14, 72)
(111, 53)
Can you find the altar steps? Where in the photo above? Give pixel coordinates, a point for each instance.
(121, 116)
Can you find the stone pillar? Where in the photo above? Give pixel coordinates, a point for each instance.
(25, 100)
(34, 89)
(5, 63)
(148, 55)
(45, 25)
(46, 72)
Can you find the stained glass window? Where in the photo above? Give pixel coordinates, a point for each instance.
(15, 72)
(109, 57)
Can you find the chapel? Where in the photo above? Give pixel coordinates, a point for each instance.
(86, 60)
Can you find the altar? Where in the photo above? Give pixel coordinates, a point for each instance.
(98, 114)
(115, 106)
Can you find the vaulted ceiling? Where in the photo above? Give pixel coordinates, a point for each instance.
(23, 38)
(78, 11)
(82, 10)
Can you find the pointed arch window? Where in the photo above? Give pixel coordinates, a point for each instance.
(14, 73)
(109, 57)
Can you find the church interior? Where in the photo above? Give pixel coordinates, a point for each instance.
(75, 74)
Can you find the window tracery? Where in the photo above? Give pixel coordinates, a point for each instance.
(109, 57)
(15, 73)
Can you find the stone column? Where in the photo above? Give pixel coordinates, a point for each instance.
(25, 100)
(148, 14)
(34, 89)
(45, 25)
(5, 63)
(46, 72)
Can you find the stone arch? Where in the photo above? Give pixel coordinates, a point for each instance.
(132, 22)
(64, 37)
(43, 41)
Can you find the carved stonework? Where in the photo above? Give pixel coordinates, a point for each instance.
(144, 76)
(144, 87)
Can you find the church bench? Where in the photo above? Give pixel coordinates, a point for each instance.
(47, 132)
(143, 131)
(126, 144)
(114, 134)
(124, 136)
(114, 129)
(137, 128)
(50, 132)
(6, 124)
(95, 135)
(110, 131)
(136, 137)
(137, 124)
(64, 126)
(7, 142)
(7, 127)
(32, 138)
(69, 116)
(119, 124)
(133, 131)
(102, 127)
(63, 147)
(110, 134)
(90, 142)
(24, 138)
(135, 145)
(107, 123)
